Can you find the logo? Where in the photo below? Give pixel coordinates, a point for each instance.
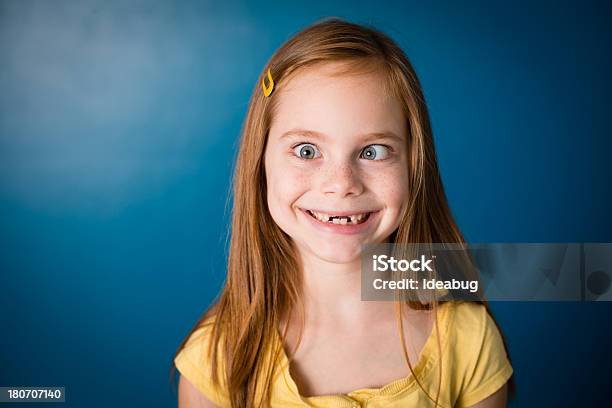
(383, 263)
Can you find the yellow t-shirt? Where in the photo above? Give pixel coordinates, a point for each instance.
(474, 366)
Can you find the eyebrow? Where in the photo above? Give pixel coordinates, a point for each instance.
(367, 137)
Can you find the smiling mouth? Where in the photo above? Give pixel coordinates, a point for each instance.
(352, 219)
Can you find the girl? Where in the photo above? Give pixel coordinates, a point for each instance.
(336, 152)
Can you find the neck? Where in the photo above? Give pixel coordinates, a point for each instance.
(331, 293)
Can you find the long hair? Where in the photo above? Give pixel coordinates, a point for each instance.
(264, 273)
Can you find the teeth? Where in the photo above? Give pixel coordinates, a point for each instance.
(321, 216)
(352, 219)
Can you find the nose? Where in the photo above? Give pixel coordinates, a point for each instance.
(341, 179)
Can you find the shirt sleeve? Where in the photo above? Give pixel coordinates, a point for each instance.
(487, 367)
(193, 362)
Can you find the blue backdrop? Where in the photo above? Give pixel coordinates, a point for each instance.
(119, 123)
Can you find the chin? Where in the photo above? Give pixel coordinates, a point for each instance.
(338, 254)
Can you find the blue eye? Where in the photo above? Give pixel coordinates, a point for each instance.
(306, 151)
(375, 152)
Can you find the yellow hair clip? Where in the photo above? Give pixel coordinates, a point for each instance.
(267, 90)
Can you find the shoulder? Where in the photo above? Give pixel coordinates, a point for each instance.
(201, 335)
(468, 317)
(194, 362)
(480, 362)
(472, 329)
(195, 349)
(469, 322)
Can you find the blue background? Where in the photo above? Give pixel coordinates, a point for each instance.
(118, 127)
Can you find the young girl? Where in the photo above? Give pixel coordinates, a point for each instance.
(336, 152)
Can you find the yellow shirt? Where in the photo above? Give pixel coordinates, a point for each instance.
(474, 366)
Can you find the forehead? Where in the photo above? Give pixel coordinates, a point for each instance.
(330, 99)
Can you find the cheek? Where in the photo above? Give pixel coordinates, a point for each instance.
(391, 187)
(285, 185)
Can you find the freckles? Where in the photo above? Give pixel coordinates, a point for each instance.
(290, 184)
(391, 185)
(302, 178)
(297, 176)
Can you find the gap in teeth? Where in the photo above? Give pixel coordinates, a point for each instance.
(341, 220)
